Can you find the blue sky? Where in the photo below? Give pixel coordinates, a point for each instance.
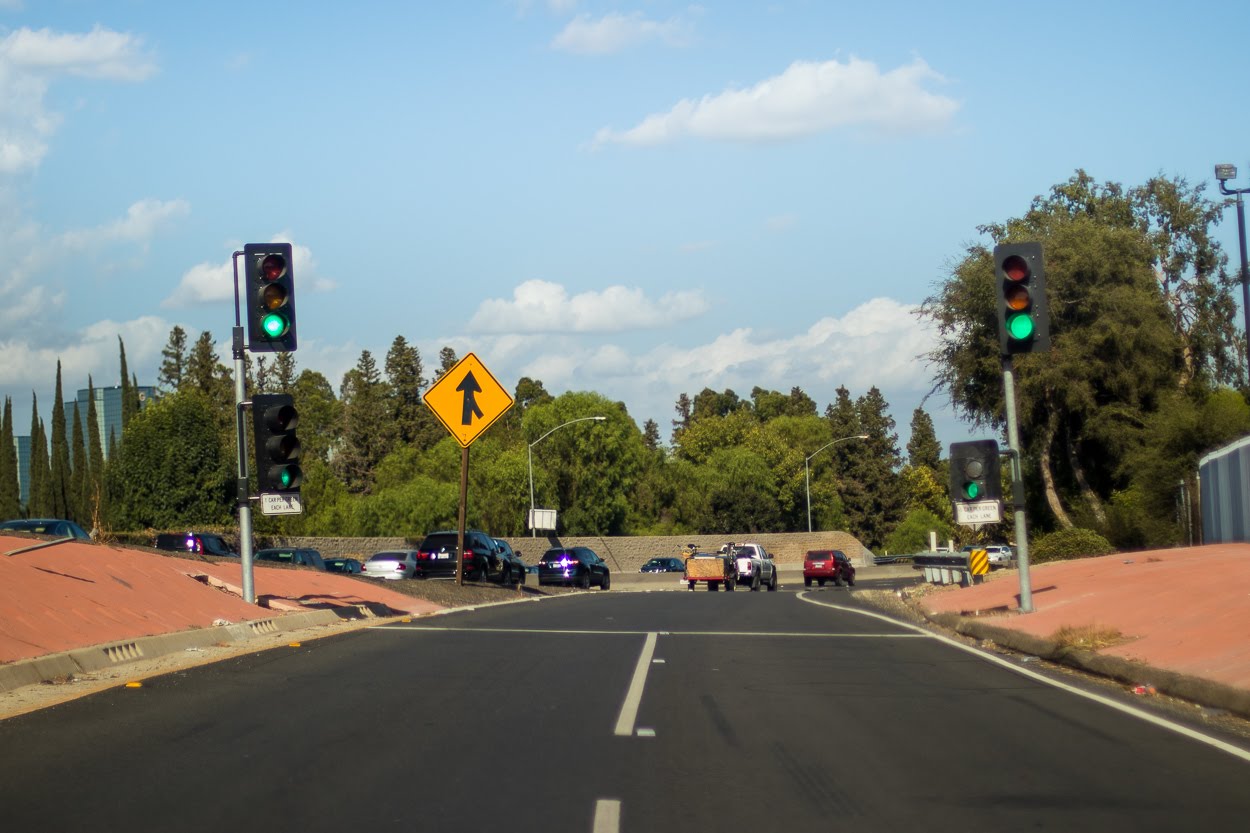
(640, 199)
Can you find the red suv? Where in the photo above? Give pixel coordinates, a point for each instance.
(826, 565)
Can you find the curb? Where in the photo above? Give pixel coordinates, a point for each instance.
(1194, 689)
(113, 654)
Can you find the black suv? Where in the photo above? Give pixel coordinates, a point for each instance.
(436, 556)
(578, 566)
(204, 543)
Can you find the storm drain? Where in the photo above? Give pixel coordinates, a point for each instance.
(263, 626)
(123, 653)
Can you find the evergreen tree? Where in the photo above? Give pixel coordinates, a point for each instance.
(130, 400)
(282, 373)
(368, 429)
(38, 504)
(94, 504)
(80, 473)
(683, 409)
(651, 435)
(173, 361)
(446, 361)
(879, 507)
(319, 415)
(10, 490)
(60, 481)
(923, 448)
(206, 374)
(260, 382)
(404, 375)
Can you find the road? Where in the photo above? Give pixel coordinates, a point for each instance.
(612, 712)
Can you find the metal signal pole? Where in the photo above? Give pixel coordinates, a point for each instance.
(1017, 488)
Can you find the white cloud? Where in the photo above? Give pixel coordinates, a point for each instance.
(213, 283)
(616, 32)
(808, 98)
(140, 224)
(92, 351)
(544, 307)
(30, 59)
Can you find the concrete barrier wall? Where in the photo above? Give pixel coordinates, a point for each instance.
(623, 554)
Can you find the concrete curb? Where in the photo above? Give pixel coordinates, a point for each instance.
(1194, 689)
(113, 654)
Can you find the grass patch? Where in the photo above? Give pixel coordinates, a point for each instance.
(1087, 637)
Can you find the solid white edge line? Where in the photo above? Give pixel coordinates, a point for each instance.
(629, 709)
(607, 816)
(1185, 731)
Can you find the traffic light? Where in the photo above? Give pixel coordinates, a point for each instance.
(270, 298)
(975, 474)
(277, 448)
(1023, 316)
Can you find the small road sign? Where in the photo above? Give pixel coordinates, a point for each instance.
(979, 563)
(978, 512)
(467, 400)
(280, 503)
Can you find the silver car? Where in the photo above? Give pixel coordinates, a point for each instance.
(391, 564)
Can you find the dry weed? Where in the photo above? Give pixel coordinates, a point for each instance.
(1087, 637)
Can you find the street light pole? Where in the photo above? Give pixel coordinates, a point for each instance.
(1224, 173)
(807, 476)
(530, 455)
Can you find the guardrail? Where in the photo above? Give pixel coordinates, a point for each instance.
(963, 568)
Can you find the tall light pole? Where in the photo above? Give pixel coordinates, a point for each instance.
(807, 474)
(1224, 173)
(530, 454)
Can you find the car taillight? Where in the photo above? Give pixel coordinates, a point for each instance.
(423, 556)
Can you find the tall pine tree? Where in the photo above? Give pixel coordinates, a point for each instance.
(80, 472)
(10, 494)
(59, 480)
(39, 501)
(95, 505)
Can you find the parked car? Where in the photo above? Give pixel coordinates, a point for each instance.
(290, 555)
(828, 565)
(205, 543)
(511, 568)
(47, 526)
(351, 566)
(392, 564)
(664, 565)
(579, 566)
(436, 555)
(999, 555)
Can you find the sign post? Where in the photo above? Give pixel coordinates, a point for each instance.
(467, 400)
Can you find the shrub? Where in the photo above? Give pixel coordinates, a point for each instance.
(1069, 543)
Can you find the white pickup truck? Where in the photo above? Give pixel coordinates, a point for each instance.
(754, 564)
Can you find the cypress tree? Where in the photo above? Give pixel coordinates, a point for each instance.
(93, 506)
(40, 497)
(80, 473)
(59, 478)
(10, 491)
(128, 399)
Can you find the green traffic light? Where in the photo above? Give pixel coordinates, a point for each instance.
(971, 490)
(1020, 327)
(286, 478)
(274, 325)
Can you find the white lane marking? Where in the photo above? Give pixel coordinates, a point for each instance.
(607, 816)
(667, 633)
(629, 709)
(646, 733)
(1162, 722)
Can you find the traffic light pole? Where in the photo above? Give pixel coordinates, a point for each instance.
(240, 397)
(1017, 488)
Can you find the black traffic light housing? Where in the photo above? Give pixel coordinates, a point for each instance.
(274, 419)
(1023, 314)
(270, 297)
(975, 472)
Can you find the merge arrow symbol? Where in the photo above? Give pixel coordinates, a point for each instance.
(469, 386)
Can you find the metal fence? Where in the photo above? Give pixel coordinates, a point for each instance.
(1224, 489)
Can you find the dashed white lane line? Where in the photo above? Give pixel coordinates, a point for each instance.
(633, 697)
(1140, 714)
(607, 816)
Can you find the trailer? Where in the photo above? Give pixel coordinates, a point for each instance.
(714, 569)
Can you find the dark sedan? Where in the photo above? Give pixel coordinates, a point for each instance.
(578, 566)
(47, 526)
(343, 565)
(664, 565)
(511, 567)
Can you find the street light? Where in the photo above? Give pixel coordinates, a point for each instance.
(530, 454)
(807, 475)
(1224, 173)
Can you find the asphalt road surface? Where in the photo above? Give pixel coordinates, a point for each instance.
(608, 712)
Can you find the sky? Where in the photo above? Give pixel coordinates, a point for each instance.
(641, 199)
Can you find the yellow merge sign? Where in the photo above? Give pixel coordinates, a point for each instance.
(467, 400)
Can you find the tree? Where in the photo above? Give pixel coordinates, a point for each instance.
(446, 361)
(206, 374)
(173, 361)
(683, 408)
(1117, 346)
(177, 435)
(282, 372)
(367, 425)
(319, 415)
(60, 479)
(876, 505)
(130, 400)
(10, 494)
(923, 448)
(39, 500)
(80, 472)
(95, 506)
(406, 380)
